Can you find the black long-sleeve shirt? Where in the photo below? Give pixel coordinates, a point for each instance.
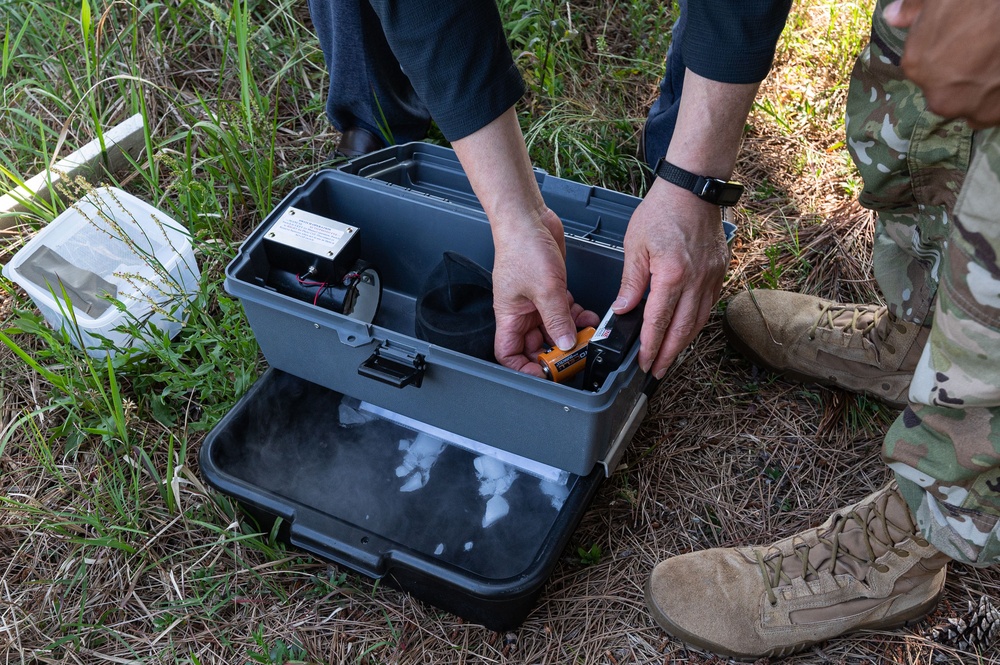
(457, 58)
(733, 41)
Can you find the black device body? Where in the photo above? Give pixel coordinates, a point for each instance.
(610, 344)
(314, 267)
(335, 296)
(325, 280)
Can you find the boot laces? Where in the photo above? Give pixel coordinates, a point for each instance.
(874, 525)
(866, 320)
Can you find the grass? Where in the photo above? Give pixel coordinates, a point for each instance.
(111, 547)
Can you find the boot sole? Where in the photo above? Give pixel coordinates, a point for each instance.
(793, 375)
(908, 618)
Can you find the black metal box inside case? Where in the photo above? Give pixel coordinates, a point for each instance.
(351, 489)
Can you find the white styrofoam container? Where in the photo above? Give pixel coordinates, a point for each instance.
(127, 242)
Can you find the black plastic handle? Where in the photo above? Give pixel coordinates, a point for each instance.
(339, 542)
(394, 372)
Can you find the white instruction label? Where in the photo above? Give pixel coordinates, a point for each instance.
(604, 330)
(311, 233)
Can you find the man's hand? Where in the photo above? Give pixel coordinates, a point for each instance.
(530, 296)
(953, 53)
(674, 245)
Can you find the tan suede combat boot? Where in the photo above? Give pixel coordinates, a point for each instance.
(861, 348)
(866, 567)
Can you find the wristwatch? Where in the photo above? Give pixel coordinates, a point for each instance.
(714, 190)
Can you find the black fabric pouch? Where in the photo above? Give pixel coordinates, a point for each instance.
(455, 307)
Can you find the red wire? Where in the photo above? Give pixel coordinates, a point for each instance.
(322, 287)
(304, 282)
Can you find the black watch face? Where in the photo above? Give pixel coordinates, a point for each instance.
(729, 194)
(721, 193)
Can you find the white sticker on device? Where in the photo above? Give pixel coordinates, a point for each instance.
(311, 233)
(604, 330)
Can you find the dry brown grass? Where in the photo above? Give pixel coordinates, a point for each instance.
(728, 455)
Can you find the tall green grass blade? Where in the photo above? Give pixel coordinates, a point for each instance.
(10, 47)
(85, 23)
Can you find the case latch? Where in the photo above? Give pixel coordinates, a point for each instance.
(396, 366)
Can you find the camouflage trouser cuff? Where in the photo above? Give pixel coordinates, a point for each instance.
(966, 535)
(934, 183)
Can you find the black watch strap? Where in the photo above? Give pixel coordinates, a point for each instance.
(714, 190)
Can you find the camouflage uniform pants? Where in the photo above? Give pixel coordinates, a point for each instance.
(935, 185)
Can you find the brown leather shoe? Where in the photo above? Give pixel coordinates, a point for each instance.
(355, 142)
(860, 348)
(866, 568)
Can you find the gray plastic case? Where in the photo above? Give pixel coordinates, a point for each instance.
(412, 203)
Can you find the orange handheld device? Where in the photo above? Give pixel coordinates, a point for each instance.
(560, 365)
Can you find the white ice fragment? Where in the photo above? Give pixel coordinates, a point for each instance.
(409, 461)
(495, 477)
(403, 469)
(496, 508)
(351, 417)
(419, 456)
(557, 493)
(468, 546)
(439, 549)
(489, 467)
(414, 482)
(426, 449)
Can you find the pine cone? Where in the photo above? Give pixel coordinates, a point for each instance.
(976, 632)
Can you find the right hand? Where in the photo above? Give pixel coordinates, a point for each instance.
(674, 245)
(532, 304)
(951, 52)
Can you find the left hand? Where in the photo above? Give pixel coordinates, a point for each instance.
(953, 53)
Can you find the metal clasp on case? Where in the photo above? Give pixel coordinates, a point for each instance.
(398, 367)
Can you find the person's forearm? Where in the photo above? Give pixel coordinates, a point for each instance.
(674, 244)
(499, 170)
(710, 125)
(529, 269)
